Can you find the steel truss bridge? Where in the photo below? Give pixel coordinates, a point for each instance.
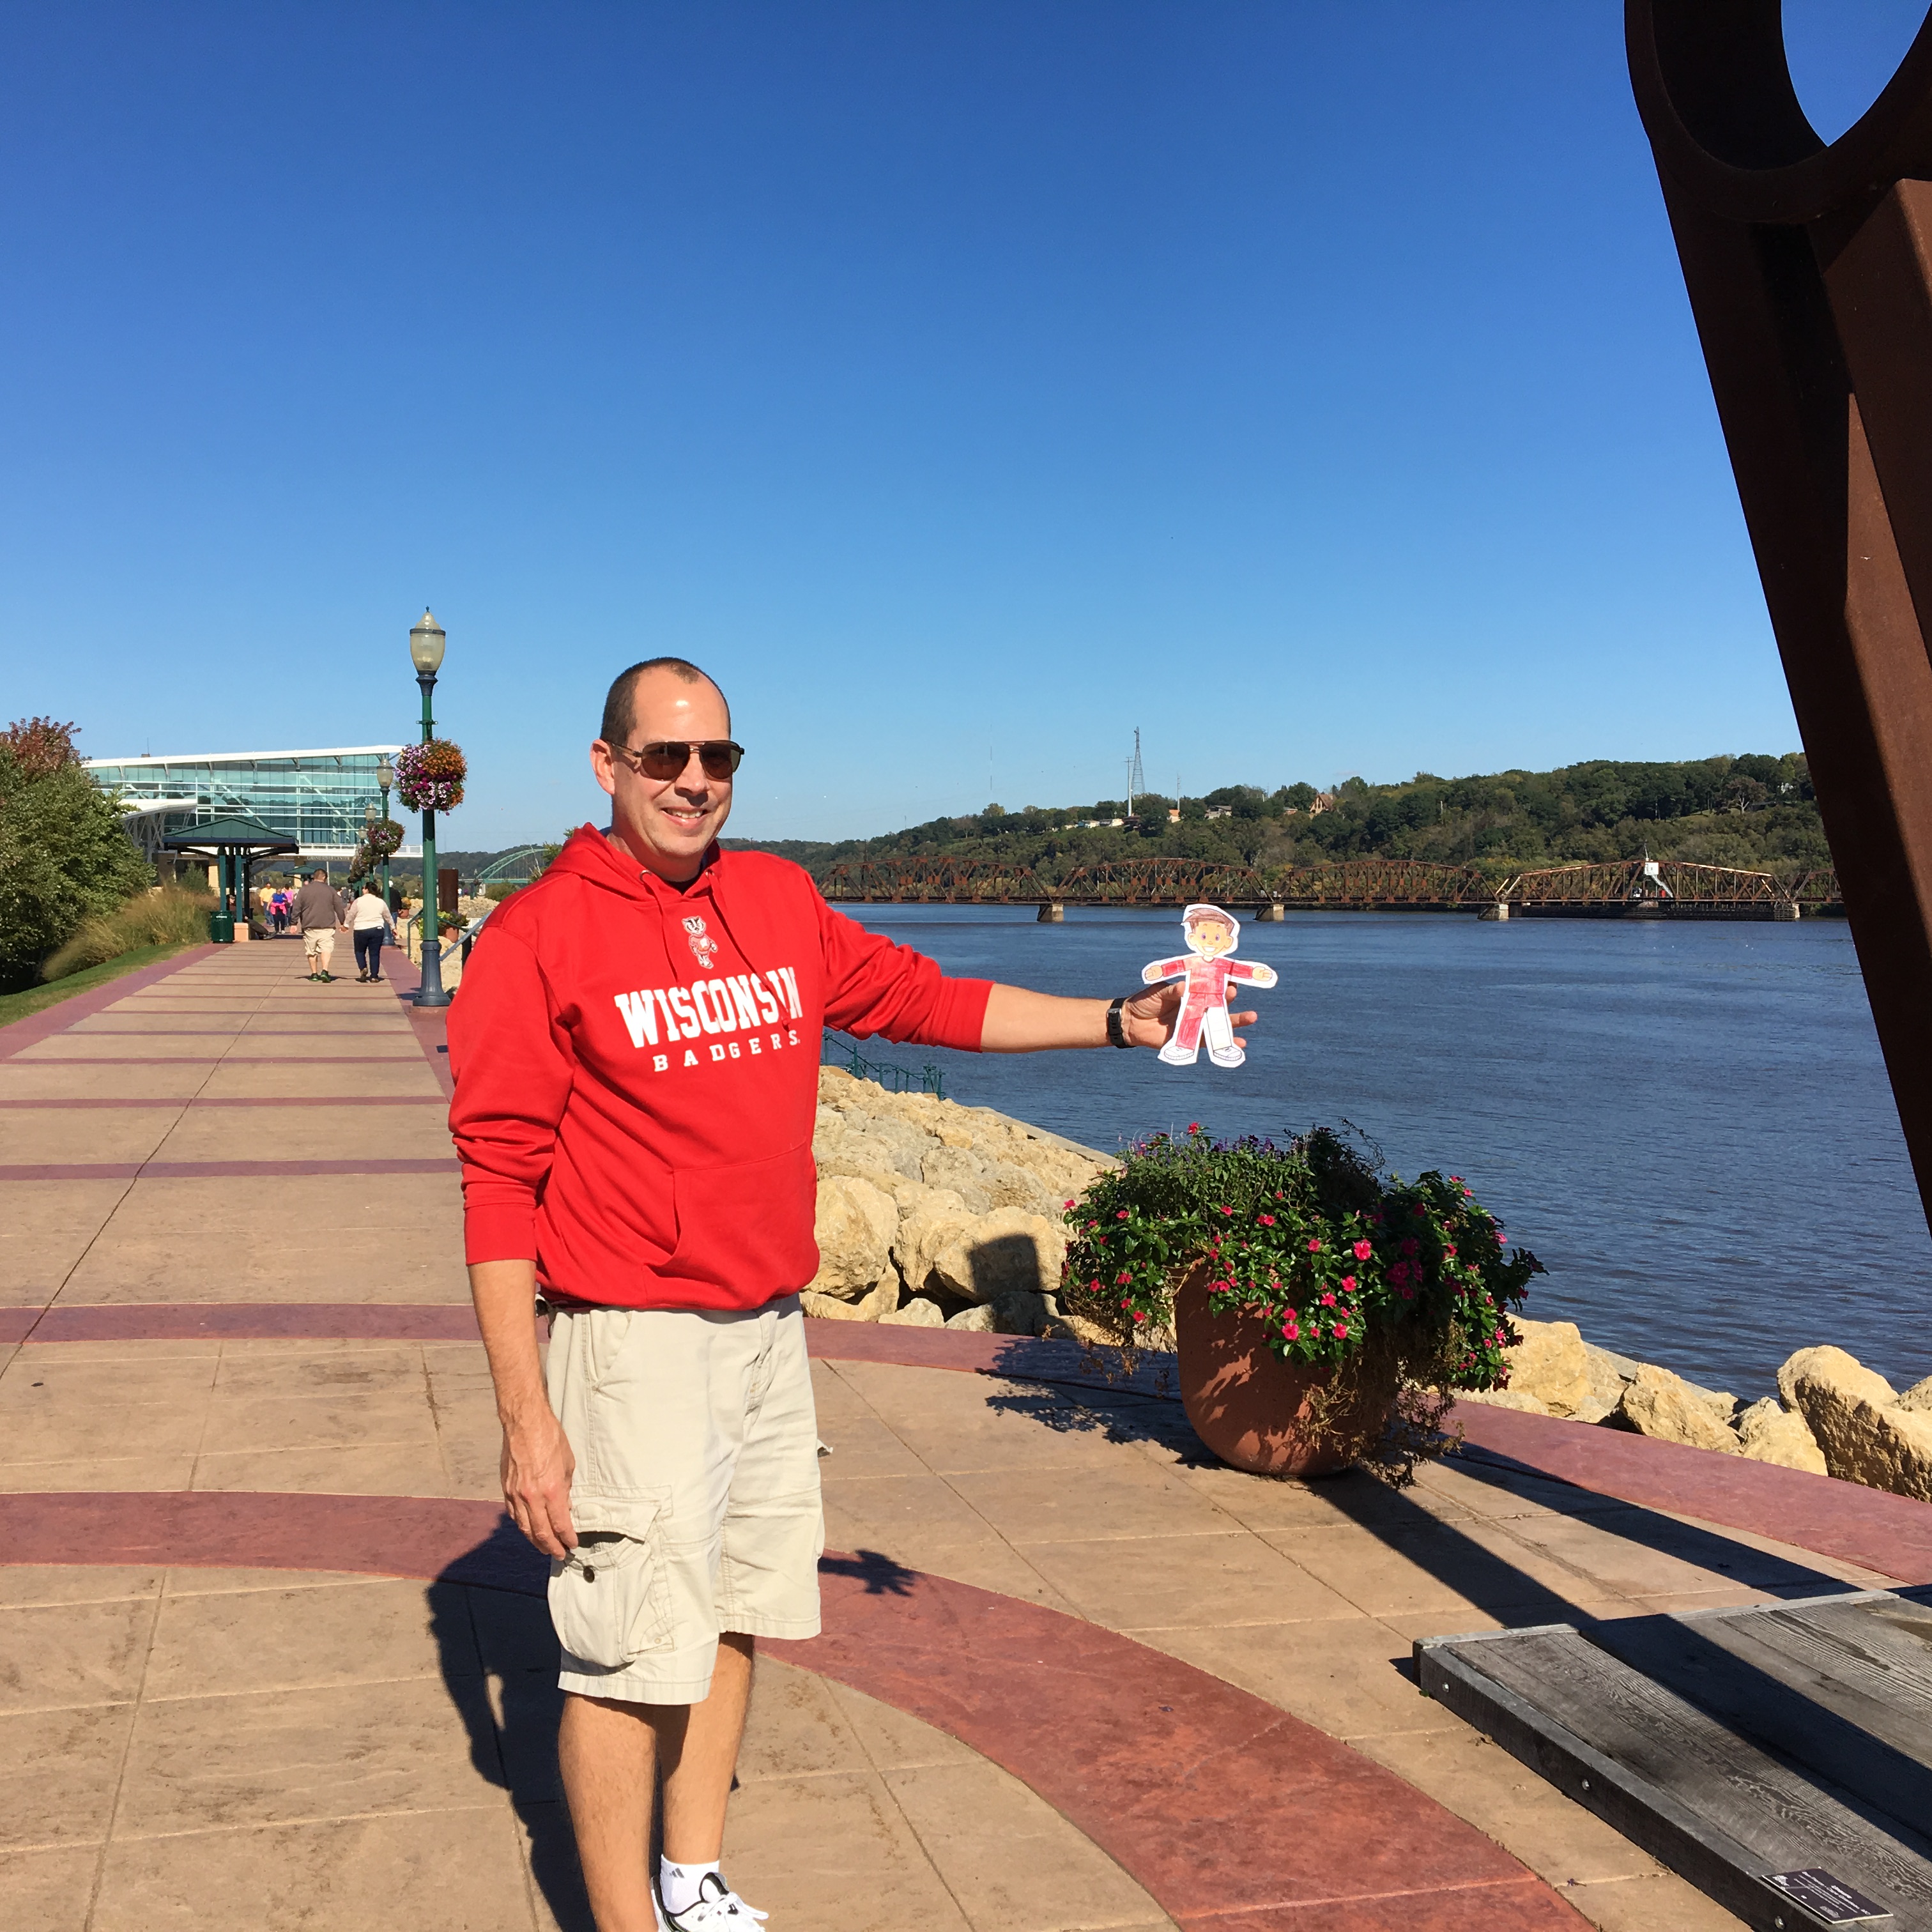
(1652, 888)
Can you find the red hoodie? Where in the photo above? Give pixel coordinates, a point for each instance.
(636, 1071)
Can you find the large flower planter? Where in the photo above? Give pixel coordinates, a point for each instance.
(1252, 1408)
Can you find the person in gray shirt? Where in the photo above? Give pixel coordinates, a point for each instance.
(318, 912)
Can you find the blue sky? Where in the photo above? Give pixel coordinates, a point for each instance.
(1310, 385)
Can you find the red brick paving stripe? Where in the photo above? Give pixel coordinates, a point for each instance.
(18, 1034)
(1891, 1535)
(218, 1170)
(265, 1100)
(238, 1031)
(1227, 1810)
(213, 1059)
(242, 1320)
(1215, 1801)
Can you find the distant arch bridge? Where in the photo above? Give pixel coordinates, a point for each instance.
(1642, 887)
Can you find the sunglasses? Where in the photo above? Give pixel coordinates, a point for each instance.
(669, 758)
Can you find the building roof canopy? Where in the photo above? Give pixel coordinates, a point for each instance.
(230, 834)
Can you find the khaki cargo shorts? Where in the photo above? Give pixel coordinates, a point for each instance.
(695, 1497)
(320, 945)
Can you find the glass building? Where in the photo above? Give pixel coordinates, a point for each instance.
(318, 798)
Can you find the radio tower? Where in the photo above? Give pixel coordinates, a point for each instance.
(1136, 779)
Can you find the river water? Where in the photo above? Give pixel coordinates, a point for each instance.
(1690, 1124)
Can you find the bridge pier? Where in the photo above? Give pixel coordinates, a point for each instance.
(1273, 914)
(1500, 910)
(1053, 913)
(1786, 909)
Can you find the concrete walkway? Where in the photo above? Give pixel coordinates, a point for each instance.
(229, 1697)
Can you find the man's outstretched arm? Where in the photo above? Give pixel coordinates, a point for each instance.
(1020, 1022)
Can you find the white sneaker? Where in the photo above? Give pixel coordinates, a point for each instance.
(718, 1909)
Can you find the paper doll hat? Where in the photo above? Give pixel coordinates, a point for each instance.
(1200, 912)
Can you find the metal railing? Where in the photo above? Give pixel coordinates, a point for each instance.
(845, 1053)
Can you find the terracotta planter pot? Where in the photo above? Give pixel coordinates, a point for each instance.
(1251, 1407)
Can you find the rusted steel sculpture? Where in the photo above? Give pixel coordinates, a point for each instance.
(1809, 272)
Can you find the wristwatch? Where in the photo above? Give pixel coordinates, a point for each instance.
(1117, 1030)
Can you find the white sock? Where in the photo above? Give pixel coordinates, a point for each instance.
(677, 1885)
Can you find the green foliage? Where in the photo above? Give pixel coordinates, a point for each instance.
(167, 917)
(64, 858)
(1755, 812)
(1335, 1256)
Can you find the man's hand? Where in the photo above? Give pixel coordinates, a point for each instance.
(537, 1466)
(1020, 1022)
(1149, 1018)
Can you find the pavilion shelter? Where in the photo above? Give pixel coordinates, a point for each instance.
(232, 845)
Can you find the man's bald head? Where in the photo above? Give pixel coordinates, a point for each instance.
(620, 707)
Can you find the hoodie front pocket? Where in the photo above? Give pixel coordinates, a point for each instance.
(610, 1598)
(747, 1228)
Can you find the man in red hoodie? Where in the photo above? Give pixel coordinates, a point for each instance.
(636, 1053)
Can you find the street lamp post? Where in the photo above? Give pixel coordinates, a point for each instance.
(385, 777)
(426, 643)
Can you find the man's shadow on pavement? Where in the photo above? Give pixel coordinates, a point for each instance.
(491, 1622)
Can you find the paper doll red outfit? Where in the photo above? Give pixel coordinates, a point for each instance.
(1204, 1005)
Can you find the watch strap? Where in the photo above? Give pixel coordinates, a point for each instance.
(1117, 1030)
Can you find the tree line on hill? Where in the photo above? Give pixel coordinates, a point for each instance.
(1755, 812)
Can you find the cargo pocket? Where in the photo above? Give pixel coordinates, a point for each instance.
(610, 1598)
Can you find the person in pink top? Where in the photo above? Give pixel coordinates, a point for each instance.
(1212, 936)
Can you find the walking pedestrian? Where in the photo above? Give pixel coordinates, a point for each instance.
(636, 1053)
(318, 912)
(369, 919)
(278, 911)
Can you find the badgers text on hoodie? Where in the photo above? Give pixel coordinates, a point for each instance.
(637, 1072)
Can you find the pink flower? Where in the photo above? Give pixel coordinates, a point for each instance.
(1121, 1216)
(1363, 1251)
(1328, 1301)
(1399, 1274)
(1315, 1247)
(1067, 1204)
(1194, 1126)
(1348, 1284)
(1268, 1220)
(1229, 1212)
(1138, 1316)
(1447, 1249)
(1341, 1329)
(1409, 1244)
(1291, 1331)
(1121, 1279)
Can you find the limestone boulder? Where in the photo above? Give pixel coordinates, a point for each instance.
(1006, 1184)
(1660, 1404)
(928, 1224)
(1549, 1365)
(1918, 1395)
(1021, 1313)
(878, 1306)
(974, 1321)
(1610, 1375)
(919, 1312)
(1768, 1432)
(1005, 1252)
(1509, 1398)
(1856, 1417)
(854, 1226)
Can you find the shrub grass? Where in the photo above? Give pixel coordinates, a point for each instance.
(34, 999)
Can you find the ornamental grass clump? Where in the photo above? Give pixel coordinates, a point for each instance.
(1386, 1284)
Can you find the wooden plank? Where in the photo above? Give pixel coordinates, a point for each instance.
(1711, 1804)
(1802, 1691)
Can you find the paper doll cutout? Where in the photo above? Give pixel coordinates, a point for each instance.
(1212, 936)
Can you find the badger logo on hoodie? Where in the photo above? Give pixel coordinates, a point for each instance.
(702, 946)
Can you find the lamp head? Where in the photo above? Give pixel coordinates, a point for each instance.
(386, 775)
(426, 642)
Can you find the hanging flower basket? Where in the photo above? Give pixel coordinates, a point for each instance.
(429, 778)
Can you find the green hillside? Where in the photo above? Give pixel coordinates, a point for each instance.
(1754, 811)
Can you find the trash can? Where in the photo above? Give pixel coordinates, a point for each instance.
(221, 928)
